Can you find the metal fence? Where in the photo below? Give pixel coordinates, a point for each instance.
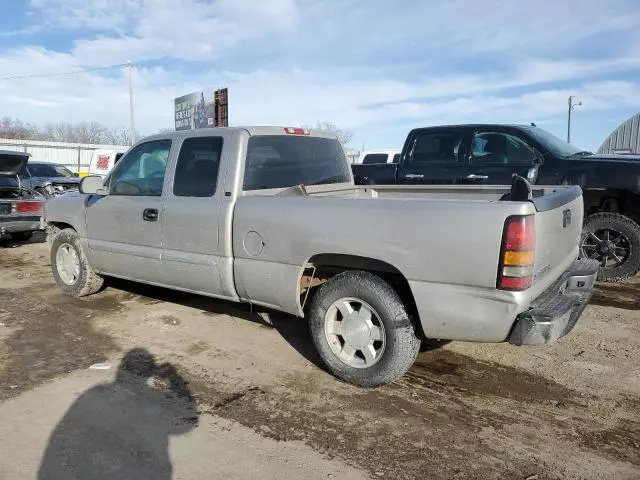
(75, 156)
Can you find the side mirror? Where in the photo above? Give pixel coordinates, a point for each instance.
(92, 185)
(76, 174)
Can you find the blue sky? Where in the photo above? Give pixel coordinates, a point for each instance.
(375, 67)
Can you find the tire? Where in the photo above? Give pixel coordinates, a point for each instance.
(616, 224)
(86, 282)
(401, 342)
(21, 236)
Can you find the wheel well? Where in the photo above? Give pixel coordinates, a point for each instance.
(54, 227)
(612, 200)
(59, 225)
(323, 267)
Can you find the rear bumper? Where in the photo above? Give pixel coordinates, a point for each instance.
(20, 224)
(554, 313)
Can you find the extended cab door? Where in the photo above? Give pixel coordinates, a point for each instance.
(435, 156)
(124, 227)
(194, 213)
(497, 154)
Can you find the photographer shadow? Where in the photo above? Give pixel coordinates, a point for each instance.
(120, 430)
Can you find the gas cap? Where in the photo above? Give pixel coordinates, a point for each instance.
(253, 243)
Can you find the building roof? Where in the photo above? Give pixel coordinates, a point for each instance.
(625, 138)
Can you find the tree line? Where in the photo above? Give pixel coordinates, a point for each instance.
(82, 132)
(97, 133)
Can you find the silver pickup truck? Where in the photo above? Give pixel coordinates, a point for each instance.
(271, 216)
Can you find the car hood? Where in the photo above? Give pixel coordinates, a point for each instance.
(11, 163)
(59, 180)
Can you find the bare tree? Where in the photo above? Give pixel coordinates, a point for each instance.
(343, 135)
(17, 129)
(83, 132)
(166, 130)
(120, 136)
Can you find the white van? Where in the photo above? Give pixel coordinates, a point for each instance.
(102, 161)
(368, 157)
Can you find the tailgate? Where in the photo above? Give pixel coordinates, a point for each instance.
(559, 214)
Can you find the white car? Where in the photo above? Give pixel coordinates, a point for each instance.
(369, 157)
(103, 161)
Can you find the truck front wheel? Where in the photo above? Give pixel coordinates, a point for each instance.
(361, 329)
(614, 240)
(70, 268)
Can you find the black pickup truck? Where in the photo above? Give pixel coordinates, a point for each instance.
(491, 154)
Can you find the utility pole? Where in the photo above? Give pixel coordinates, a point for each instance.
(571, 107)
(133, 122)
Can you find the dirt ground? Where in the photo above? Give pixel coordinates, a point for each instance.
(245, 395)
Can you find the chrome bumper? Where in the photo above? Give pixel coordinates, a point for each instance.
(21, 224)
(554, 313)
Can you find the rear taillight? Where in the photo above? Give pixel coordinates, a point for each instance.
(30, 207)
(517, 253)
(297, 131)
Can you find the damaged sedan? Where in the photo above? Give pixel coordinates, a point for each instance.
(21, 209)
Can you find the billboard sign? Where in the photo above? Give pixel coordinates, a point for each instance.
(198, 110)
(194, 111)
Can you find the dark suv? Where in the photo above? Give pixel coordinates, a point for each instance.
(491, 154)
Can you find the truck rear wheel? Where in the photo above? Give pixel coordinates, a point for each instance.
(613, 240)
(71, 270)
(361, 329)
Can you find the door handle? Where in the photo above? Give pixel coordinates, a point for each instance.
(473, 176)
(414, 175)
(150, 214)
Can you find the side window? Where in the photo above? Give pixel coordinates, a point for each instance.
(375, 158)
(197, 167)
(494, 148)
(141, 172)
(436, 147)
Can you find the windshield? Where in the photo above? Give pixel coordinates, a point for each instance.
(280, 161)
(553, 143)
(44, 170)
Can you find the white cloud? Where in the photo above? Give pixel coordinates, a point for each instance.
(155, 29)
(362, 65)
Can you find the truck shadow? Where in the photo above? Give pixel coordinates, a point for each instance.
(38, 237)
(293, 330)
(618, 295)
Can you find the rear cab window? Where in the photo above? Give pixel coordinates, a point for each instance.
(436, 147)
(282, 161)
(197, 167)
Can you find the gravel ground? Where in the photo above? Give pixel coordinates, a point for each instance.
(571, 410)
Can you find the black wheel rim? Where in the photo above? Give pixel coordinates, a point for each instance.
(609, 247)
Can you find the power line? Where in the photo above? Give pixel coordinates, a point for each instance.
(159, 89)
(58, 74)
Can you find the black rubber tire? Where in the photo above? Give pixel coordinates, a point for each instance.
(624, 225)
(88, 282)
(402, 340)
(21, 236)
